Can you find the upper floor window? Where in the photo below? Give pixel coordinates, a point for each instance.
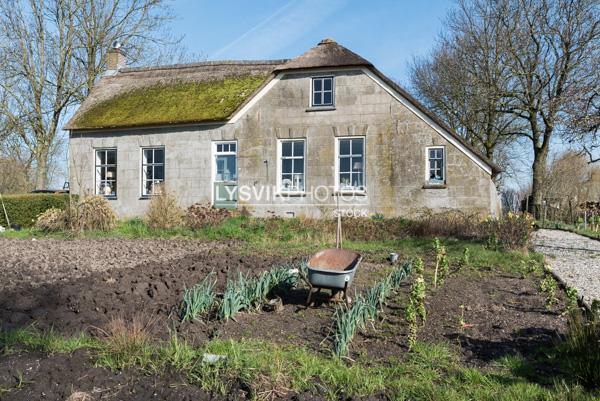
(292, 166)
(322, 91)
(106, 172)
(436, 161)
(351, 164)
(153, 170)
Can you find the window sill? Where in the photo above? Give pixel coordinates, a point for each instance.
(291, 194)
(431, 185)
(109, 197)
(343, 192)
(320, 108)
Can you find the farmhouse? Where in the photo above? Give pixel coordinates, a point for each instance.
(285, 137)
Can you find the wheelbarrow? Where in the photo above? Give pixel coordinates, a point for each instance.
(332, 269)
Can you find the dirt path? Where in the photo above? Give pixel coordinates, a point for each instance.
(573, 258)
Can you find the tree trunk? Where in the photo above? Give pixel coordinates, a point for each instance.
(540, 158)
(41, 175)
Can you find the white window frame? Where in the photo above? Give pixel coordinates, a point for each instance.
(106, 165)
(280, 189)
(338, 188)
(142, 164)
(427, 168)
(312, 91)
(213, 163)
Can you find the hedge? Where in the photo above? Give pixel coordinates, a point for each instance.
(24, 209)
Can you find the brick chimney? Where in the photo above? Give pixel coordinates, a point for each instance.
(115, 59)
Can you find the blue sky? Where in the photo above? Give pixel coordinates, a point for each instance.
(387, 33)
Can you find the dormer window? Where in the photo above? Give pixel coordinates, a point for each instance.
(322, 91)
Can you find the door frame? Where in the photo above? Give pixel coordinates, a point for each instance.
(213, 164)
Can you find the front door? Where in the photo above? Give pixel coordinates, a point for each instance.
(225, 177)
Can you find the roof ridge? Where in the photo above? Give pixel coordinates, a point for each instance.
(202, 64)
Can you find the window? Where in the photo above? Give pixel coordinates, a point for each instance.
(436, 165)
(351, 165)
(292, 166)
(226, 162)
(229, 147)
(153, 170)
(322, 91)
(106, 172)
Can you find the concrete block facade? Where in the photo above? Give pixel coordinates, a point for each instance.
(396, 139)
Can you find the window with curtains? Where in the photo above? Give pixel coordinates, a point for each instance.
(436, 165)
(351, 164)
(153, 170)
(106, 172)
(291, 166)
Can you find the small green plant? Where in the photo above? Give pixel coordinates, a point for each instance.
(466, 258)
(418, 266)
(571, 294)
(198, 300)
(531, 266)
(416, 309)
(21, 381)
(492, 243)
(548, 286)
(442, 264)
(378, 217)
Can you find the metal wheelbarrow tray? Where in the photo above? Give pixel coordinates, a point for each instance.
(332, 269)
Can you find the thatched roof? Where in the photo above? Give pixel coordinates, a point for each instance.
(177, 94)
(211, 91)
(328, 53)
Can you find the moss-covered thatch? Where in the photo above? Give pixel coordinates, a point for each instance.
(178, 102)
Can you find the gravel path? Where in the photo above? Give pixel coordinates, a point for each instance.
(573, 258)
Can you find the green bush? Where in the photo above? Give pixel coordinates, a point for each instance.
(580, 349)
(24, 209)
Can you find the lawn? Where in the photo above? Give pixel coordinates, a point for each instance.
(489, 333)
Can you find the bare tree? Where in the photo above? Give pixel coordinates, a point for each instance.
(550, 45)
(517, 68)
(140, 25)
(465, 76)
(583, 124)
(52, 52)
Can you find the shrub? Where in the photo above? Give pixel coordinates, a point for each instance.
(24, 209)
(201, 215)
(127, 341)
(581, 347)
(52, 219)
(92, 212)
(164, 211)
(450, 223)
(511, 232)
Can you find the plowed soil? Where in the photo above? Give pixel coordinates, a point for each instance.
(79, 285)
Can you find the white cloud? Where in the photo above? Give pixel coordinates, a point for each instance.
(280, 29)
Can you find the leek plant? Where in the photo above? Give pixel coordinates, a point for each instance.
(348, 320)
(198, 300)
(251, 293)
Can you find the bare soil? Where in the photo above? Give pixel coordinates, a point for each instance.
(502, 314)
